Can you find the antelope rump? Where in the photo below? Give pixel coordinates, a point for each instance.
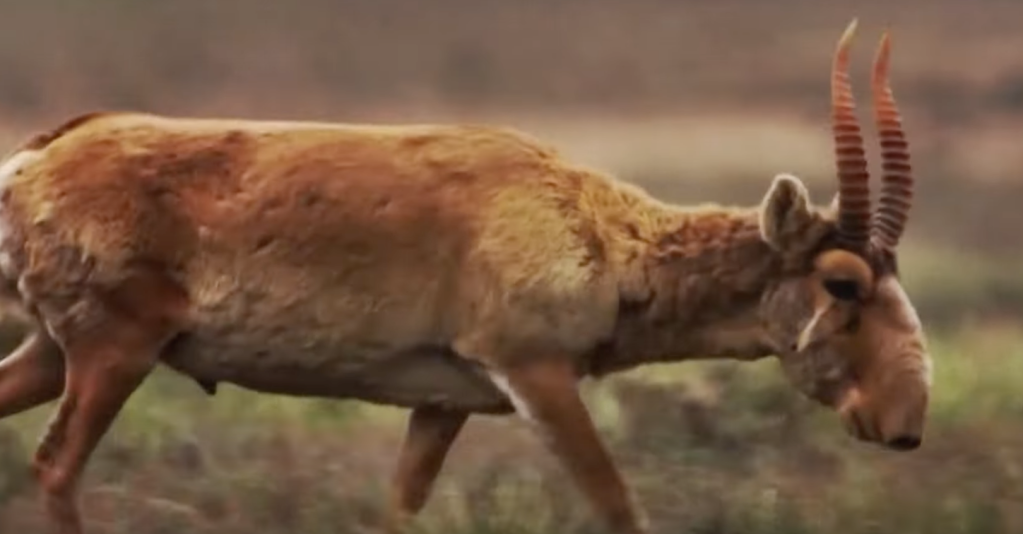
(448, 269)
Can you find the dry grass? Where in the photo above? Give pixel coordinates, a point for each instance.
(710, 447)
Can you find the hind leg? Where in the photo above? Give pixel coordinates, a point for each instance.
(100, 378)
(110, 343)
(31, 375)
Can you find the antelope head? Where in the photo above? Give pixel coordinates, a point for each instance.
(841, 324)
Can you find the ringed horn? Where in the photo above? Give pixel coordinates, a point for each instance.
(856, 228)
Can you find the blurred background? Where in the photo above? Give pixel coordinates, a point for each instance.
(696, 100)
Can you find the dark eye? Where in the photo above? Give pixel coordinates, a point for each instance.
(842, 289)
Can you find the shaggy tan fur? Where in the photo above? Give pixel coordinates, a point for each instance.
(448, 269)
(358, 244)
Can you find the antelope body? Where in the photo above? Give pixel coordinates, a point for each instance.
(317, 259)
(448, 269)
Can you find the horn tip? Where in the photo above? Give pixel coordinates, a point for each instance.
(850, 30)
(884, 49)
(845, 42)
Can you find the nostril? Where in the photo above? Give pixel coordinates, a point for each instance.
(904, 443)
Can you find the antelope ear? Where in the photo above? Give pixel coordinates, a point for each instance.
(785, 211)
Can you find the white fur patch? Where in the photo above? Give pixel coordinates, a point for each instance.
(913, 320)
(518, 402)
(13, 165)
(8, 170)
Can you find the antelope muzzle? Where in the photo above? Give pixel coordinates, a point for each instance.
(891, 412)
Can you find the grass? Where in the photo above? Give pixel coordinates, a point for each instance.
(710, 447)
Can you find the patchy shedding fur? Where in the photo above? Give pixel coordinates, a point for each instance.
(392, 263)
(430, 267)
(347, 261)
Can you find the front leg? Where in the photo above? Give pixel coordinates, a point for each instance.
(430, 433)
(545, 394)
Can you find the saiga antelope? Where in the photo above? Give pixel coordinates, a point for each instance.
(447, 269)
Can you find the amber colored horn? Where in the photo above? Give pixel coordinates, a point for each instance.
(853, 178)
(896, 196)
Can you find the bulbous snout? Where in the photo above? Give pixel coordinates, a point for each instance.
(893, 414)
